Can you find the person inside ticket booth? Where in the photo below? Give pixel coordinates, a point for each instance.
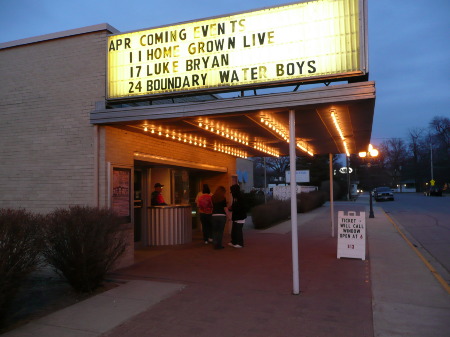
(157, 198)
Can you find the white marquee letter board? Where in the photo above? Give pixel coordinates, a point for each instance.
(351, 235)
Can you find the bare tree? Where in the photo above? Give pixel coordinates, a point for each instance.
(278, 165)
(395, 156)
(442, 127)
(415, 136)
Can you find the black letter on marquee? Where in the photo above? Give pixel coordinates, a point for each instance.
(311, 65)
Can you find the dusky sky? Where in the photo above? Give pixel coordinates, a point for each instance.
(409, 44)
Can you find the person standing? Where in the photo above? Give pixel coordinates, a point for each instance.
(157, 198)
(239, 214)
(205, 208)
(219, 216)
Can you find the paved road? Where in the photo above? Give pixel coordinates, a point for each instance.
(426, 220)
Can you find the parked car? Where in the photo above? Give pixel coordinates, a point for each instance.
(383, 193)
(433, 191)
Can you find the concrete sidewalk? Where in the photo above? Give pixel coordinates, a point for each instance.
(407, 299)
(193, 290)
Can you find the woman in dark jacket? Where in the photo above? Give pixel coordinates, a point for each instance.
(219, 216)
(239, 214)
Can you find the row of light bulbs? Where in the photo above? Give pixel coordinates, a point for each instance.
(339, 130)
(194, 140)
(240, 137)
(181, 137)
(230, 150)
(274, 125)
(266, 149)
(224, 131)
(302, 145)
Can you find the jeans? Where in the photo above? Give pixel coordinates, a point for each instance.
(237, 237)
(218, 226)
(206, 220)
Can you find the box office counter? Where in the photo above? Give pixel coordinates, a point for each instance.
(169, 225)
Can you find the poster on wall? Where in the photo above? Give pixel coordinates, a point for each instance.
(121, 192)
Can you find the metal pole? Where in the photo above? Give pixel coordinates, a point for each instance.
(348, 178)
(292, 144)
(431, 160)
(331, 195)
(371, 208)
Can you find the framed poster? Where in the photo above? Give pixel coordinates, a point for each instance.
(121, 192)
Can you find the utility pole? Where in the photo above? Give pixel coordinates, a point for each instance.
(431, 160)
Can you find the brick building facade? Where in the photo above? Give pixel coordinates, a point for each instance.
(51, 156)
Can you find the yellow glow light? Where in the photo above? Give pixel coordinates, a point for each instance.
(226, 132)
(266, 149)
(336, 124)
(338, 128)
(230, 150)
(372, 152)
(304, 146)
(346, 148)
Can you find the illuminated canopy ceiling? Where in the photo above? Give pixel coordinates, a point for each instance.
(258, 125)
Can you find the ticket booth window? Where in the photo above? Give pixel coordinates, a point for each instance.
(180, 179)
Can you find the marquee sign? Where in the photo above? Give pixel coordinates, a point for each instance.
(305, 41)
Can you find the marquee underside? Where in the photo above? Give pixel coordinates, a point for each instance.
(244, 120)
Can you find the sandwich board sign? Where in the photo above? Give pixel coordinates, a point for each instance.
(351, 235)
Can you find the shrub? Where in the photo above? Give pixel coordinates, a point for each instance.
(266, 215)
(274, 211)
(253, 198)
(20, 244)
(308, 201)
(82, 244)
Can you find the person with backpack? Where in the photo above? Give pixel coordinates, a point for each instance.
(239, 214)
(205, 208)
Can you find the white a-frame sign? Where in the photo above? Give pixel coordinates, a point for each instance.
(351, 235)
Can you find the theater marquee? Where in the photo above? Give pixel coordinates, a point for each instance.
(306, 41)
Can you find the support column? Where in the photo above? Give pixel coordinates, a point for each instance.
(292, 157)
(331, 195)
(348, 177)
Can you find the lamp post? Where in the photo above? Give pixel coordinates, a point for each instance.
(371, 153)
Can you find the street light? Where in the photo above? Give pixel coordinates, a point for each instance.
(371, 153)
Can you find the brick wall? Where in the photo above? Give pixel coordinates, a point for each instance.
(46, 141)
(48, 146)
